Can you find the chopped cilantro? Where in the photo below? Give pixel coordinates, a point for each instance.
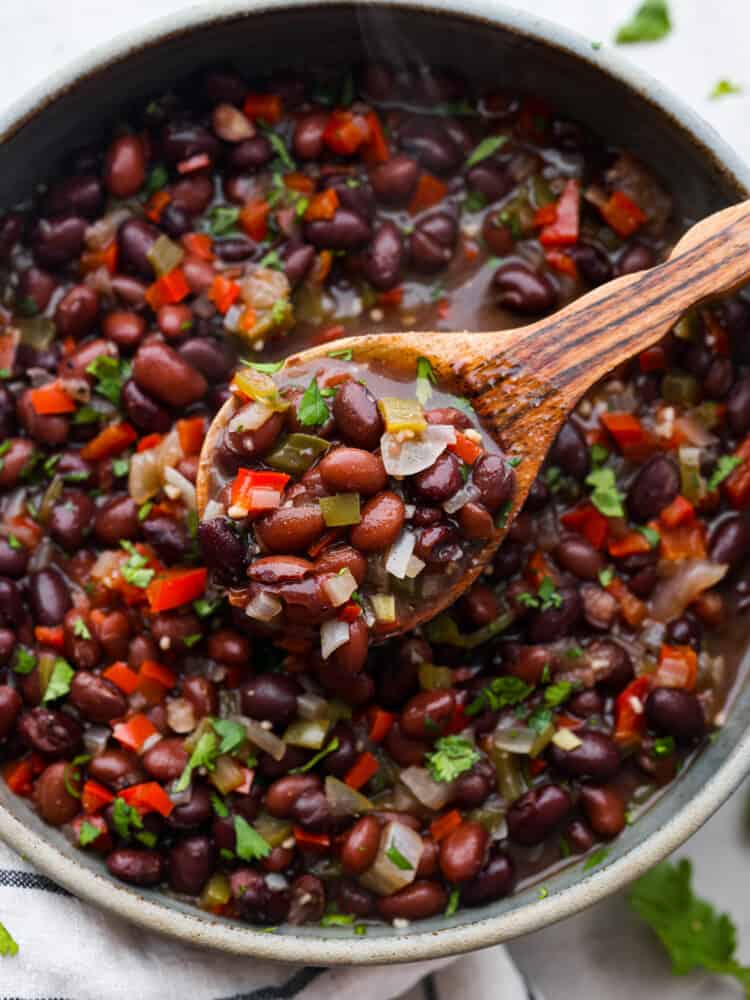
(723, 88)
(499, 693)
(310, 764)
(650, 23)
(81, 629)
(15, 543)
(452, 906)
(556, 694)
(232, 734)
(396, 857)
(24, 661)
(87, 415)
(425, 380)
(120, 466)
(157, 179)
(204, 754)
(543, 892)
(59, 681)
(724, 468)
(474, 202)
(663, 747)
(124, 817)
(337, 919)
(652, 536)
(88, 833)
(280, 312)
(250, 845)
(599, 454)
(451, 756)
(110, 374)
(204, 608)
(8, 946)
(360, 929)
(596, 46)
(135, 570)
(267, 367)
(219, 806)
(145, 509)
(596, 858)
(279, 148)
(540, 720)
(574, 653)
(222, 219)
(694, 935)
(487, 147)
(605, 496)
(192, 640)
(546, 597)
(273, 261)
(312, 407)
(343, 355)
(606, 576)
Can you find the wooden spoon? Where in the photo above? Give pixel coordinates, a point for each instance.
(524, 382)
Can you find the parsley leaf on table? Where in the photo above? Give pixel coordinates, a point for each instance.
(451, 756)
(694, 935)
(650, 23)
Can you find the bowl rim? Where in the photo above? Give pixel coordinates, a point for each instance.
(197, 928)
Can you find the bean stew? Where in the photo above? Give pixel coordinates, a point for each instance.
(201, 705)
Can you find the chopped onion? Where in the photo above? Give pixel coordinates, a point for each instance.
(263, 607)
(51, 496)
(102, 232)
(146, 475)
(384, 606)
(343, 800)
(95, 738)
(213, 509)
(406, 457)
(384, 876)
(262, 738)
(229, 703)
(460, 498)
(566, 739)
(276, 882)
(312, 706)
(400, 553)
(180, 715)
(522, 739)
(307, 733)
(414, 567)
(185, 489)
(42, 555)
(333, 634)
(252, 416)
(338, 589)
(227, 775)
(692, 577)
(431, 793)
(693, 431)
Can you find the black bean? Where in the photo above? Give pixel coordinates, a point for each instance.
(570, 452)
(613, 668)
(143, 411)
(168, 537)
(191, 863)
(596, 757)
(234, 248)
(431, 143)
(675, 712)
(729, 540)
(70, 518)
(250, 154)
(522, 290)
(213, 358)
(181, 140)
(52, 733)
(495, 480)
(271, 697)
(357, 414)
(719, 378)
(136, 865)
(576, 554)
(532, 817)
(81, 195)
(592, 262)
(440, 481)
(493, 882)
(433, 242)
(656, 485)
(297, 262)
(556, 622)
(383, 257)
(344, 231)
(687, 630)
(135, 238)
(56, 241)
(738, 406)
(223, 550)
(489, 180)
(13, 558)
(49, 598)
(636, 257)
(394, 181)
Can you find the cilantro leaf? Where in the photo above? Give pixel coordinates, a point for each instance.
(723, 88)
(599, 454)
(487, 147)
(651, 535)
(279, 147)
(81, 629)
(336, 920)
(605, 496)
(250, 845)
(556, 694)
(219, 806)
(663, 747)
(273, 261)
(540, 720)
(110, 374)
(222, 219)
(135, 570)
(606, 576)
(723, 469)
(344, 354)
(310, 764)
(59, 681)
(157, 179)
(453, 901)
(88, 833)
(501, 692)
(396, 857)
(650, 23)
(425, 380)
(205, 608)
(596, 858)
(548, 595)
(451, 756)
(120, 466)
(7, 944)
(312, 407)
(204, 754)
(124, 817)
(232, 734)
(24, 661)
(267, 367)
(694, 935)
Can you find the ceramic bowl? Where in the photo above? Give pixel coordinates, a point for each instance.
(510, 49)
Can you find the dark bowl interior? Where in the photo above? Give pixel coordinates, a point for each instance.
(509, 51)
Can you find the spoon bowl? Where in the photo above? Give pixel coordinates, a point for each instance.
(523, 383)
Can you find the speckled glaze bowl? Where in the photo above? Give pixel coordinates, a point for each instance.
(510, 49)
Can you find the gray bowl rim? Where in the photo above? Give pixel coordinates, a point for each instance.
(196, 927)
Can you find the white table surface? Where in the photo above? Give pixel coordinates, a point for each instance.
(603, 952)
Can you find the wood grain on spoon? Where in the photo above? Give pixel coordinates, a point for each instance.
(524, 382)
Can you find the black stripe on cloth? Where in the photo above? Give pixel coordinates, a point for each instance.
(10, 879)
(286, 991)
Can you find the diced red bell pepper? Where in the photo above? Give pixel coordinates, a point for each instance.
(545, 215)
(199, 245)
(51, 399)
(122, 676)
(201, 161)
(148, 442)
(653, 359)
(630, 718)
(364, 768)
(445, 824)
(95, 797)
(191, 432)
(349, 612)
(299, 182)
(322, 206)
(150, 670)
(134, 732)
(223, 293)
(109, 442)
(256, 491)
(536, 766)
(264, 107)
(589, 522)
(564, 230)
(737, 484)
(169, 289)
(632, 609)
(92, 260)
(537, 569)
(380, 723)
(561, 262)
(345, 132)
(626, 429)
(176, 587)
(678, 668)
(19, 776)
(392, 298)
(307, 841)
(247, 320)
(629, 545)
(715, 337)
(465, 449)
(686, 541)
(156, 204)
(50, 635)
(147, 797)
(254, 219)
(428, 192)
(622, 214)
(679, 511)
(376, 149)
